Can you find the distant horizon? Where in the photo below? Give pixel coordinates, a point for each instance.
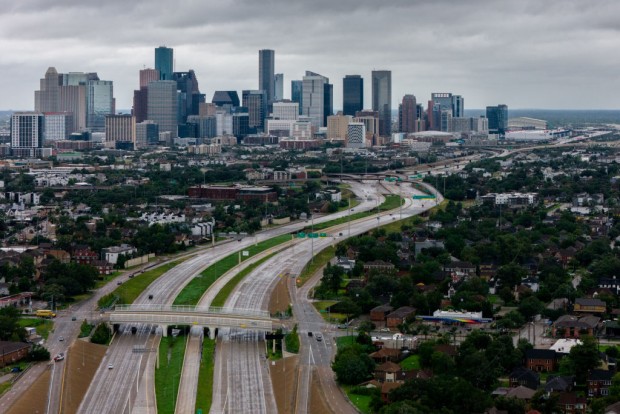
(396, 110)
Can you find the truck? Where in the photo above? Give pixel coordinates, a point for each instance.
(45, 313)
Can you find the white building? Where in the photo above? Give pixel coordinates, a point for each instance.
(356, 135)
(111, 254)
(57, 125)
(285, 110)
(274, 125)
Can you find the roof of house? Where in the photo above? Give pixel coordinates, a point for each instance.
(388, 367)
(402, 312)
(589, 302)
(524, 374)
(613, 409)
(559, 383)
(569, 398)
(540, 354)
(600, 375)
(382, 308)
(521, 392)
(7, 347)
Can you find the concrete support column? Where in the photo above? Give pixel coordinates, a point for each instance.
(211, 332)
(165, 330)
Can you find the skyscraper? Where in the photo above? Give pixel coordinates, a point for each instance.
(46, 98)
(256, 102)
(164, 62)
(190, 96)
(99, 103)
(120, 131)
(315, 100)
(356, 135)
(26, 133)
(266, 69)
(498, 119)
(454, 103)
(297, 94)
(407, 115)
(148, 75)
(382, 99)
(163, 105)
(352, 94)
(279, 87)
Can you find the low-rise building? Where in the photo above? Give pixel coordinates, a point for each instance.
(12, 352)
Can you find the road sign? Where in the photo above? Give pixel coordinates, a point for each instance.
(245, 253)
(313, 235)
(301, 235)
(322, 234)
(199, 411)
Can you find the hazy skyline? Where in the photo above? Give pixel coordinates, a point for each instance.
(526, 54)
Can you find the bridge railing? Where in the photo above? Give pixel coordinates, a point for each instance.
(152, 307)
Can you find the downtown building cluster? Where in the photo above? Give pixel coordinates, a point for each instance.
(77, 111)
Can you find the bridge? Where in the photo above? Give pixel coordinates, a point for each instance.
(206, 317)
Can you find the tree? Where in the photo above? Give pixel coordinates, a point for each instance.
(530, 307)
(584, 357)
(352, 365)
(9, 325)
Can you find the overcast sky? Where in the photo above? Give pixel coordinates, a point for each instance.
(524, 53)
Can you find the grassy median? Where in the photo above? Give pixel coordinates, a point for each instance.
(168, 375)
(204, 395)
(191, 294)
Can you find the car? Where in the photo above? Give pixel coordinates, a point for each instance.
(62, 338)
(120, 282)
(73, 318)
(16, 369)
(310, 334)
(131, 276)
(319, 337)
(150, 297)
(59, 357)
(110, 366)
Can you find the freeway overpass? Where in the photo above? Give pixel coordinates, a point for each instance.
(206, 317)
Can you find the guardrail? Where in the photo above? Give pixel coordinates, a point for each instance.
(150, 307)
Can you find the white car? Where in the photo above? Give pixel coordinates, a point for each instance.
(110, 366)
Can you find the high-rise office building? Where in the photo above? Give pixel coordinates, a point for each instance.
(317, 98)
(285, 110)
(454, 103)
(356, 135)
(148, 75)
(266, 72)
(120, 131)
(164, 62)
(278, 94)
(99, 103)
(46, 98)
(382, 99)
(147, 133)
(352, 94)
(337, 126)
(140, 104)
(205, 125)
(224, 98)
(407, 115)
(57, 126)
(256, 102)
(297, 93)
(26, 133)
(163, 105)
(190, 96)
(498, 119)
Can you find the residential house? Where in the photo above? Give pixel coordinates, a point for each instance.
(424, 243)
(379, 266)
(587, 305)
(461, 268)
(379, 313)
(610, 283)
(103, 267)
(345, 263)
(525, 377)
(111, 254)
(613, 409)
(12, 352)
(488, 270)
(60, 255)
(570, 403)
(541, 360)
(399, 316)
(84, 255)
(386, 354)
(571, 326)
(521, 393)
(559, 384)
(387, 372)
(599, 381)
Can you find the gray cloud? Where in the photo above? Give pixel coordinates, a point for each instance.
(526, 53)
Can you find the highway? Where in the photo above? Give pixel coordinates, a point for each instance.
(164, 291)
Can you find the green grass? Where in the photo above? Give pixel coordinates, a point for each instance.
(391, 202)
(323, 304)
(132, 288)
(225, 292)
(43, 326)
(191, 294)
(361, 402)
(344, 341)
(85, 329)
(168, 375)
(5, 386)
(204, 396)
(319, 261)
(411, 362)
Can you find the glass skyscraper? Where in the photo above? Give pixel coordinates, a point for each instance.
(164, 62)
(498, 119)
(297, 93)
(352, 94)
(266, 69)
(382, 99)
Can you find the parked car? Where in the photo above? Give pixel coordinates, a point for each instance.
(16, 369)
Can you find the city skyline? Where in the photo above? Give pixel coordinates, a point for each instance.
(524, 54)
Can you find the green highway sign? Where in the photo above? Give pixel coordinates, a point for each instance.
(313, 235)
(301, 235)
(323, 235)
